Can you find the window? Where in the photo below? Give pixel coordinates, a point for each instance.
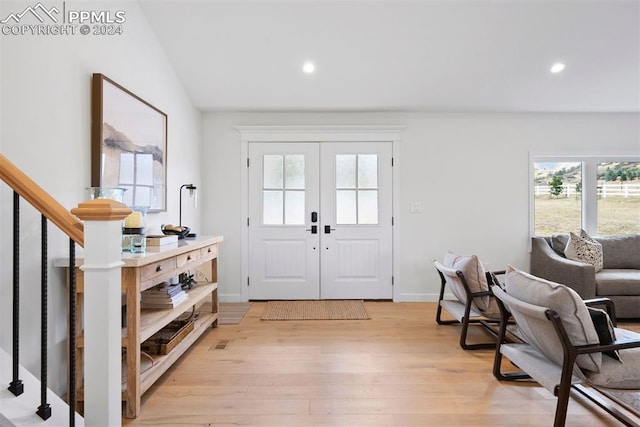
(557, 197)
(601, 196)
(618, 198)
(356, 189)
(283, 189)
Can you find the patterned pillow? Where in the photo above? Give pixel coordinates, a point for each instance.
(583, 250)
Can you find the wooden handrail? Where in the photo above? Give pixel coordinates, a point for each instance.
(41, 200)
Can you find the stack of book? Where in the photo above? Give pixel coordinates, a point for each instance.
(161, 240)
(163, 296)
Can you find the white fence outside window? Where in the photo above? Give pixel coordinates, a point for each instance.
(604, 190)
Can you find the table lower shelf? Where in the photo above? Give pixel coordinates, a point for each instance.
(162, 362)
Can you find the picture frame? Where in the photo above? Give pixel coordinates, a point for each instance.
(128, 145)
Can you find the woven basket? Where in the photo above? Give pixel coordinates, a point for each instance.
(165, 340)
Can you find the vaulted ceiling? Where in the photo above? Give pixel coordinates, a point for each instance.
(391, 55)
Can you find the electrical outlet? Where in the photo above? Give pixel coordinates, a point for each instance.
(415, 208)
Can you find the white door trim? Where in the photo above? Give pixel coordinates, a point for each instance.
(383, 133)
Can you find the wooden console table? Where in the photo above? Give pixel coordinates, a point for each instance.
(139, 273)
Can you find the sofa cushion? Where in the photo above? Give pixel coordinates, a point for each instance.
(584, 250)
(618, 282)
(564, 301)
(621, 251)
(559, 243)
(473, 271)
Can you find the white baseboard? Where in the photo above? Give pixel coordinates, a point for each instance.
(408, 297)
(230, 298)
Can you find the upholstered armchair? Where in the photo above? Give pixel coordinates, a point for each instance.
(466, 279)
(565, 344)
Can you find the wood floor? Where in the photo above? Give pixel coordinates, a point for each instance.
(397, 369)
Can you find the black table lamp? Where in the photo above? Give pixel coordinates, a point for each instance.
(192, 193)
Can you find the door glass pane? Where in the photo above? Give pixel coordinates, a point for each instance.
(367, 171)
(618, 198)
(273, 171)
(346, 171)
(294, 171)
(557, 197)
(294, 208)
(272, 207)
(368, 207)
(346, 207)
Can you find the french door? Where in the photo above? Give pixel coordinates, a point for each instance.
(320, 220)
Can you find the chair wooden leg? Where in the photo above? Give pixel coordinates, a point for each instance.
(463, 337)
(501, 339)
(511, 376)
(439, 320)
(563, 393)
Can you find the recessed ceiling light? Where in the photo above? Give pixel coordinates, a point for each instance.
(308, 67)
(557, 67)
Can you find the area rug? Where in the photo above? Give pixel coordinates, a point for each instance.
(231, 313)
(629, 399)
(315, 310)
(630, 325)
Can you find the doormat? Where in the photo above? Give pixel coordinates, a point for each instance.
(315, 310)
(231, 313)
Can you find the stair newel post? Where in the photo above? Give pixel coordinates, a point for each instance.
(102, 301)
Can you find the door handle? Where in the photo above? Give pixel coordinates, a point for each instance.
(328, 229)
(313, 229)
(314, 216)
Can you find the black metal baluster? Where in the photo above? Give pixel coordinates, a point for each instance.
(72, 333)
(16, 387)
(44, 410)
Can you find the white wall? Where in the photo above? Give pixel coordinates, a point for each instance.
(46, 132)
(470, 173)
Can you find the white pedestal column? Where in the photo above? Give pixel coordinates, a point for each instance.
(102, 310)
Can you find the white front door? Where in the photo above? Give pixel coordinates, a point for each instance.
(283, 193)
(357, 232)
(320, 221)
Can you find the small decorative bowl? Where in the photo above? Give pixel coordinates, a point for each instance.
(180, 233)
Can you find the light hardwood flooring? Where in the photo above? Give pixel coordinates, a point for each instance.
(398, 369)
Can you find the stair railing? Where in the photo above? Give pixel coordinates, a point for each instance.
(52, 211)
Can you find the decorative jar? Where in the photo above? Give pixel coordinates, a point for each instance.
(134, 230)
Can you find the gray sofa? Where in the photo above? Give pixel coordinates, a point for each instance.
(619, 280)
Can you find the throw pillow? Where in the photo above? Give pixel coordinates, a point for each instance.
(474, 274)
(559, 242)
(605, 330)
(599, 249)
(583, 250)
(569, 306)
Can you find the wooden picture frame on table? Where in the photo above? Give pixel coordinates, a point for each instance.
(128, 144)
